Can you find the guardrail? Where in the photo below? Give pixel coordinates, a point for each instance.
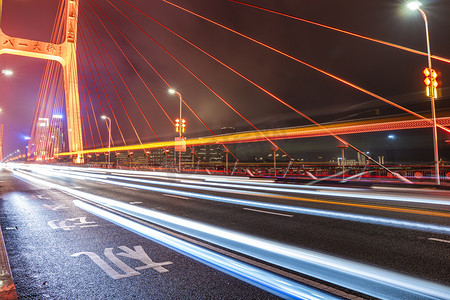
(415, 173)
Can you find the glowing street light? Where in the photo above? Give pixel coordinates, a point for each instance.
(415, 5)
(172, 91)
(7, 72)
(109, 138)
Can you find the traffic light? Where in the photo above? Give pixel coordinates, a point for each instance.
(183, 125)
(177, 125)
(431, 82)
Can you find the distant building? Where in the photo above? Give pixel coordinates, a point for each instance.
(227, 129)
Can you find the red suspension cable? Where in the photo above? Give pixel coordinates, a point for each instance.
(443, 59)
(308, 65)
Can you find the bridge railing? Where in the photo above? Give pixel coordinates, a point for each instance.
(415, 173)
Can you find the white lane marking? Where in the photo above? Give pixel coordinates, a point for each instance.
(135, 202)
(129, 188)
(439, 240)
(176, 196)
(77, 187)
(268, 212)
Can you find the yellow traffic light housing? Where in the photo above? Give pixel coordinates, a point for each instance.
(179, 126)
(431, 82)
(183, 125)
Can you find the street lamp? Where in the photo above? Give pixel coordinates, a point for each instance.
(109, 138)
(26, 138)
(7, 72)
(415, 5)
(343, 147)
(172, 91)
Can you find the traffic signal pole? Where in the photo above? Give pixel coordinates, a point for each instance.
(432, 89)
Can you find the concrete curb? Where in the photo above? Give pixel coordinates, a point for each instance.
(7, 287)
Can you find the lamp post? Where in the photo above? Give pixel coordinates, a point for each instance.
(415, 5)
(274, 161)
(172, 91)
(343, 147)
(109, 138)
(26, 138)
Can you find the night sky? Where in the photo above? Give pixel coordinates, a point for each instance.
(388, 72)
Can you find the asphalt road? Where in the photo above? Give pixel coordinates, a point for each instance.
(50, 260)
(400, 230)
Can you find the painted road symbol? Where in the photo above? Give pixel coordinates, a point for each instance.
(71, 223)
(138, 254)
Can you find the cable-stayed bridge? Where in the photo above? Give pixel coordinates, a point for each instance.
(108, 70)
(227, 149)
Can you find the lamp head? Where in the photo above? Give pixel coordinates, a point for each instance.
(7, 72)
(172, 91)
(414, 5)
(103, 117)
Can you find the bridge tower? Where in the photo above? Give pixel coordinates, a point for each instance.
(65, 53)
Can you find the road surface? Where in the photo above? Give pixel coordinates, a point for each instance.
(340, 241)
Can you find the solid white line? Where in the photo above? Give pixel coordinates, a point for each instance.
(268, 212)
(439, 240)
(135, 202)
(176, 196)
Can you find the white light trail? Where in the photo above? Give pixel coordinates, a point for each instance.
(247, 184)
(373, 281)
(270, 282)
(409, 225)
